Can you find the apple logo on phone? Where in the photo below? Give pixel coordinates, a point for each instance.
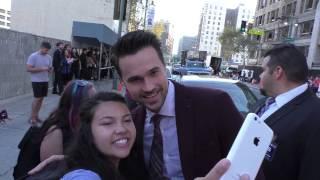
(256, 141)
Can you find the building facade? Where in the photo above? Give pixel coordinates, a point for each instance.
(211, 26)
(187, 43)
(5, 15)
(234, 19)
(287, 21)
(55, 19)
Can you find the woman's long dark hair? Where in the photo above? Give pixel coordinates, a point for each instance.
(83, 153)
(66, 115)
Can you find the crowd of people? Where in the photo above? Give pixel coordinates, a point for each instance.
(176, 132)
(71, 63)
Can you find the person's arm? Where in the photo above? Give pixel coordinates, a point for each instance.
(52, 144)
(32, 69)
(218, 171)
(44, 163)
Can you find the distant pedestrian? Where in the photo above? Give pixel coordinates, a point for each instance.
(57, 59)
(75, 67)
(39, 65)
(66, 64)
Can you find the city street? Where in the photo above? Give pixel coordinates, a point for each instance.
(11, 133)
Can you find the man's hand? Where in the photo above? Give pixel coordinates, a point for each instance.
(44, 163)
(218, 171)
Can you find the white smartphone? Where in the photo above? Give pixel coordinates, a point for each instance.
(249, 148)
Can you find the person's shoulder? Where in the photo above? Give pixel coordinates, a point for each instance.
(54, 131)
(81, 174)
(34, 54)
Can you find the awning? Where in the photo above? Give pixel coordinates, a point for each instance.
(100, 32)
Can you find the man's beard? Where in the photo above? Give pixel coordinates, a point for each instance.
(263, 92)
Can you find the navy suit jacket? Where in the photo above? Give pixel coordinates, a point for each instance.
(296, 126)
(207, 124)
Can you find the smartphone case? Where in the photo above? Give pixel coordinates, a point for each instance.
(249, 148)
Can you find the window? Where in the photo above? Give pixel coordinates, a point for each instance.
(2, 11)
(8, 18)
(306, 28)
(9, 12)
(207, 32)
(294, 7)
(219, 18)
(205, 42)
(289, 9)
(2, 17)
(218, 28)
(273, 15)
(302, 5)
(208, 22)
(218, 23)
(8, 24)
(209, 17)
(283, 12)
(2, 23)
(268, 18)
(309, 4)
(221, 8)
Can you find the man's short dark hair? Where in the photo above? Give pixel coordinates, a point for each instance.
(131, 43)
(58, 44)
(46, 45)
(291, 60)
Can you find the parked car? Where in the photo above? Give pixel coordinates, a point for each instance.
(241, 95)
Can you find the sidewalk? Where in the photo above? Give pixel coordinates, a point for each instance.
(19, 109)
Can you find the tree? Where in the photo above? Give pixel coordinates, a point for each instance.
(158, 29)
(234, 41)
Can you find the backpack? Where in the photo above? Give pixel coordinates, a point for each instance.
(29, 156)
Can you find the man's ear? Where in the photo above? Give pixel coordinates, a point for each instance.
(278, 72)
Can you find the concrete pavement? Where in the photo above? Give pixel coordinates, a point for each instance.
(19, 109)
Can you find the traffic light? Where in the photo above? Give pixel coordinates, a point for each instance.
(243, 26)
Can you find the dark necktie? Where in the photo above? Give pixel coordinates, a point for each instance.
(266, 105)
(156, 165)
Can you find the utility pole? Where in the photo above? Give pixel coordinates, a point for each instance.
(122, 4)
(145, 15)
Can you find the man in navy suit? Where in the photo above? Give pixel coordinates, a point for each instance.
(293, 113)
(195, 127)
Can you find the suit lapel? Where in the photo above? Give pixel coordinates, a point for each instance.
(139, 117)
(185, 130)
(287, 108)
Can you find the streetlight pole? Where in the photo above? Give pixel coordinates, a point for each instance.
(145, 15)
(122, 4)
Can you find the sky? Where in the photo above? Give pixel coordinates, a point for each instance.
(185, 15)
(5, 4)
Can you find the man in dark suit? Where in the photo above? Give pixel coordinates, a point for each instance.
(293, 115)
(182, 132)
(56, 63)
